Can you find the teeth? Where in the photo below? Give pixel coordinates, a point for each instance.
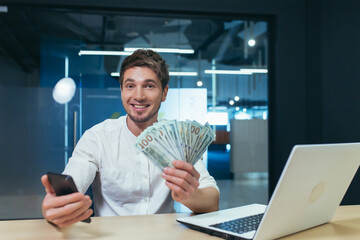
(139, 106)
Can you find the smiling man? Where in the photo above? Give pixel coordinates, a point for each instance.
(124, 180)
(141, 95)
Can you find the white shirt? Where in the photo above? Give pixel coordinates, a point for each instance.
(125, 181)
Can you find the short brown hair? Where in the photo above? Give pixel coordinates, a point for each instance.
(149, 59)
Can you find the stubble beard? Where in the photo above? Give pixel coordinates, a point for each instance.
(145, 118)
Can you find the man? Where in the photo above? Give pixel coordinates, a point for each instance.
(124, 180)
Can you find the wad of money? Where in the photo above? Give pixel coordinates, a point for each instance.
(170, 140)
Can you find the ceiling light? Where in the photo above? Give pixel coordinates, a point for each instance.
(239, 72)
(244, 109)
(164, 50)
(254, 70)
(244, 71)
(199, 83)
(251, 42)
(236, 98)
(183, 73)
(103, 53)
(237, 108)
(117, 74)
(129, 51)
(231, 102)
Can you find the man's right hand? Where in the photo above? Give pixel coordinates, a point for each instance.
(64, 210)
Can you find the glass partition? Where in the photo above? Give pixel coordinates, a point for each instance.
(43, 50)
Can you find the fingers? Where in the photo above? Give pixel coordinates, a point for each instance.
(182, 171)
(178, 164)
(66, 210)
(71, 213)
(182, 180)
(181, 183)
(60, 201)
(47, 185)
(79, 218)
(178, 193)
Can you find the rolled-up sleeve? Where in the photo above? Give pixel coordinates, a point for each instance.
(205, 180)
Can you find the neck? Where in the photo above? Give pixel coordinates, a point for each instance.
(137, 128)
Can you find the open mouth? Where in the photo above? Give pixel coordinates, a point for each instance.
(139, 106)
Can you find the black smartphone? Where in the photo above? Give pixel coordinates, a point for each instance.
(63, 185)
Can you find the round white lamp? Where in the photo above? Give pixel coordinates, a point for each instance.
(64, 90)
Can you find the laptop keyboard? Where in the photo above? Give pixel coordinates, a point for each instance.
(241, 225)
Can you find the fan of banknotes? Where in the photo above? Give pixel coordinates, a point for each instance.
(169, 140)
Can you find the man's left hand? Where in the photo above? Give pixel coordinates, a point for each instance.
(183, 180)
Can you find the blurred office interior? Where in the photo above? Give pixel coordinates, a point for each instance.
(273, 75)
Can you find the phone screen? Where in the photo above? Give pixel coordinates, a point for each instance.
(62, 184)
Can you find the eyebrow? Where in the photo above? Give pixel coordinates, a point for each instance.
(146, 80)
(150, 80)
(129, 80)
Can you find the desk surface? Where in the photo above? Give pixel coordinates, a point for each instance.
(345, 225)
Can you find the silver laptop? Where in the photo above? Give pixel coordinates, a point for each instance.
(311, 187)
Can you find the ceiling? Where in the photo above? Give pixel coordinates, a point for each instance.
(23, 30)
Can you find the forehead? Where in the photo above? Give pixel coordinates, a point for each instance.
(140, 74)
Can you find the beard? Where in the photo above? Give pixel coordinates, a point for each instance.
(143, 119)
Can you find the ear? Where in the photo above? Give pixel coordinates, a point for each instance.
(165, 91)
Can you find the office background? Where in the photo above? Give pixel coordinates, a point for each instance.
(313, 56)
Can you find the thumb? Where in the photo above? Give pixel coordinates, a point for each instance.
(47, 185)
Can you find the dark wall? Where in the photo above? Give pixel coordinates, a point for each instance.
(340, 38)
(332, 50)
(313, 78)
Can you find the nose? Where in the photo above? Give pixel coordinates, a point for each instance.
(139, 96)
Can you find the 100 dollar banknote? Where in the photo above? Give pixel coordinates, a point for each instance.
(171, 140)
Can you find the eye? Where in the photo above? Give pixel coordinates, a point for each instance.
(150, 86)
(129, 86)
